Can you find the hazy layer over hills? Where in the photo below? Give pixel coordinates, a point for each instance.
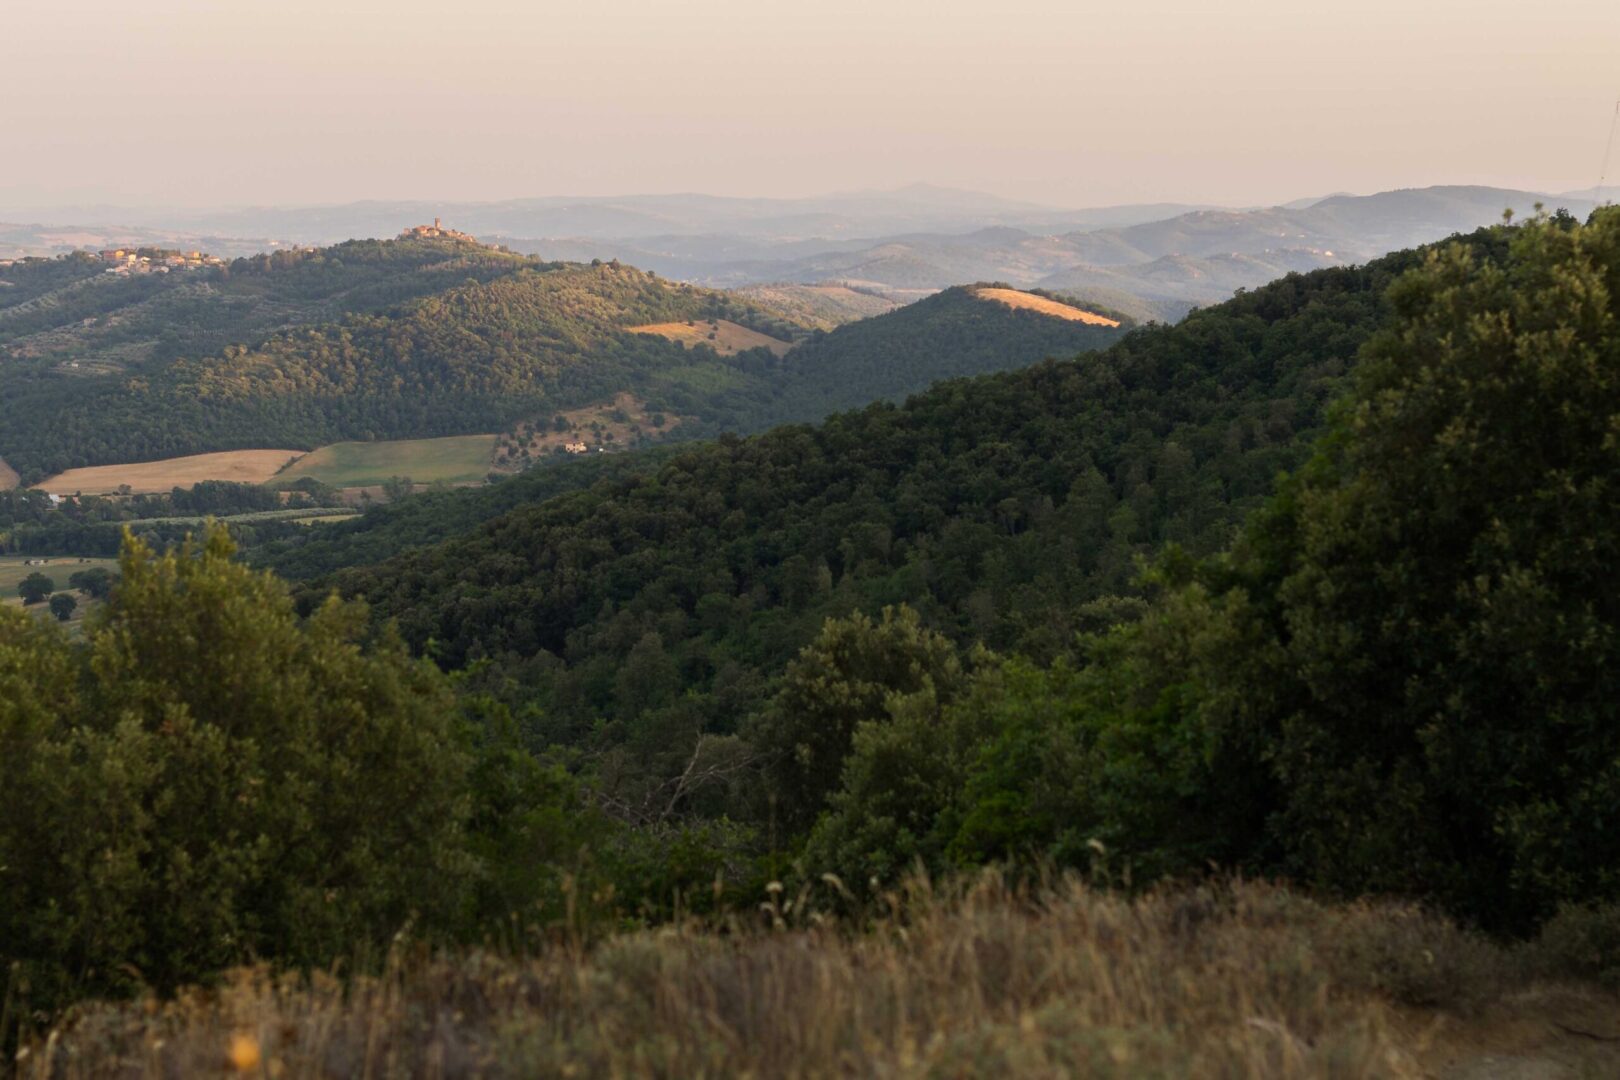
(1152, 261)
(1172, 260)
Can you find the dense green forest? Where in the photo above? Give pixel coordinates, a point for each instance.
(1315, 584)
(657, 609)
(413, 339)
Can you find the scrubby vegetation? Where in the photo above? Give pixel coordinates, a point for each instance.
(979, 979)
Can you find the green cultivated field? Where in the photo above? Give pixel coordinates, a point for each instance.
(457, 460)
(60, 568)
(12, 570)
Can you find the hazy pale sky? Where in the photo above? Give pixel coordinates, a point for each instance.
(1072, 102)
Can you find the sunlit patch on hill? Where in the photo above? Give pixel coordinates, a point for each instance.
(1030, 302)
(724, 337)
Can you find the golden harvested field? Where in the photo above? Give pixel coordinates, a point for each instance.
(8, 476)
(242, 466)
(725, 338)
(1030, 302)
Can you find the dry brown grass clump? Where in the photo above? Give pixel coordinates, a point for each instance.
(1234, 981)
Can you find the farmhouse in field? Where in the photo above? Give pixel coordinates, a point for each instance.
(575, 447)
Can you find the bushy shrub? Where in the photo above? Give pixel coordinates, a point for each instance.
(207, 780)
(1581, 940)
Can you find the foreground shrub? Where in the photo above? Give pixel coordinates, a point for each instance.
(206, 780)
(1582, 940)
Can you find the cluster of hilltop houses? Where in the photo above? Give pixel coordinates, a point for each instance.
(152, 261)
(435, 231)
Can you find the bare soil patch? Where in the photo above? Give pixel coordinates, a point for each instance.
(8, 476)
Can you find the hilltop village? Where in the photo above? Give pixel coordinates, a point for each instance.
(127, 261)
(436, 231)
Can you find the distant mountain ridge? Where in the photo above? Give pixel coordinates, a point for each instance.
(914, 208)
(1188, 259)
(905, 243)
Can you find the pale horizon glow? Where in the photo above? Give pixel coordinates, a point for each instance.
(200, 104)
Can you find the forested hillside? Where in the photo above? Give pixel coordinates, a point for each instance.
(72, 309)
(654, 609)
(469, 359)
(949, 335)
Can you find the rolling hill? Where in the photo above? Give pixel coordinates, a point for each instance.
(429, 338)
(465, 352)
(954, 333)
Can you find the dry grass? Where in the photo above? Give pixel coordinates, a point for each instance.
(724, 337)
(242, 466)
(8, 476)
(1240, 981)
(1030, 302)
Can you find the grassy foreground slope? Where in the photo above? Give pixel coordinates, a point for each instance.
(1246, 980)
